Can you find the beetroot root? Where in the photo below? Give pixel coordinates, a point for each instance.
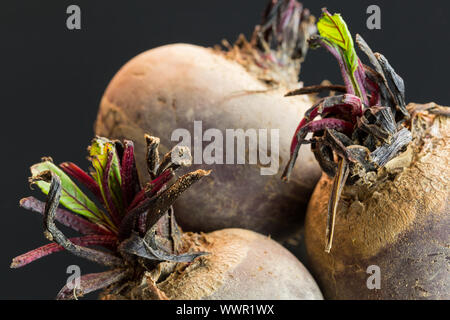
(400, 225)
(241, 264)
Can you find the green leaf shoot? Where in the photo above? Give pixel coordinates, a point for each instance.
(335, 30)
(100, 151)
(72, 197)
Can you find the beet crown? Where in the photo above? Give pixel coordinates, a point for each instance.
(278, 45)
(136, 225)
(361, 129)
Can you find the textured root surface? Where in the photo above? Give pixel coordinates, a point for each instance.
(401, 225)
(241, 265)
(204, 276)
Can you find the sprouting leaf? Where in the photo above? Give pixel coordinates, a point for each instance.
(72, 197)
(334, 29)
(106, 163)
(335, 33)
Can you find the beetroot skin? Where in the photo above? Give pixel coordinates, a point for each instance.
(241, 264)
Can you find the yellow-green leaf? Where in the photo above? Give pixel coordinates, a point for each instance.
(71, 196)
(99, 151)
(335, 30)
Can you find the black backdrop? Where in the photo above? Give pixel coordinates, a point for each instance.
(52, 80)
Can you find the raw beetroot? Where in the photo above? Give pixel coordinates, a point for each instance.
(240, 88)
(241, 265)
(400, 225)
(389, 195)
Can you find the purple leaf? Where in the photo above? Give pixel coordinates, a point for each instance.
(334, 50)
(130, 183)
(142, 202)
(91, 240)
(360, 76)
(152, 188)
(66, 218)
(109, 202)
(374, 90)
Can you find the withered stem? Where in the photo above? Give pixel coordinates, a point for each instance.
(338, 184)
(52, 233)
(152, 155)
(160, 206)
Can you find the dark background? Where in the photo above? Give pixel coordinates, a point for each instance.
(52, 80)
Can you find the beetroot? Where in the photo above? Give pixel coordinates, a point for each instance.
(400, 225)
(379, 229)
(242, 265)
(242, 87)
